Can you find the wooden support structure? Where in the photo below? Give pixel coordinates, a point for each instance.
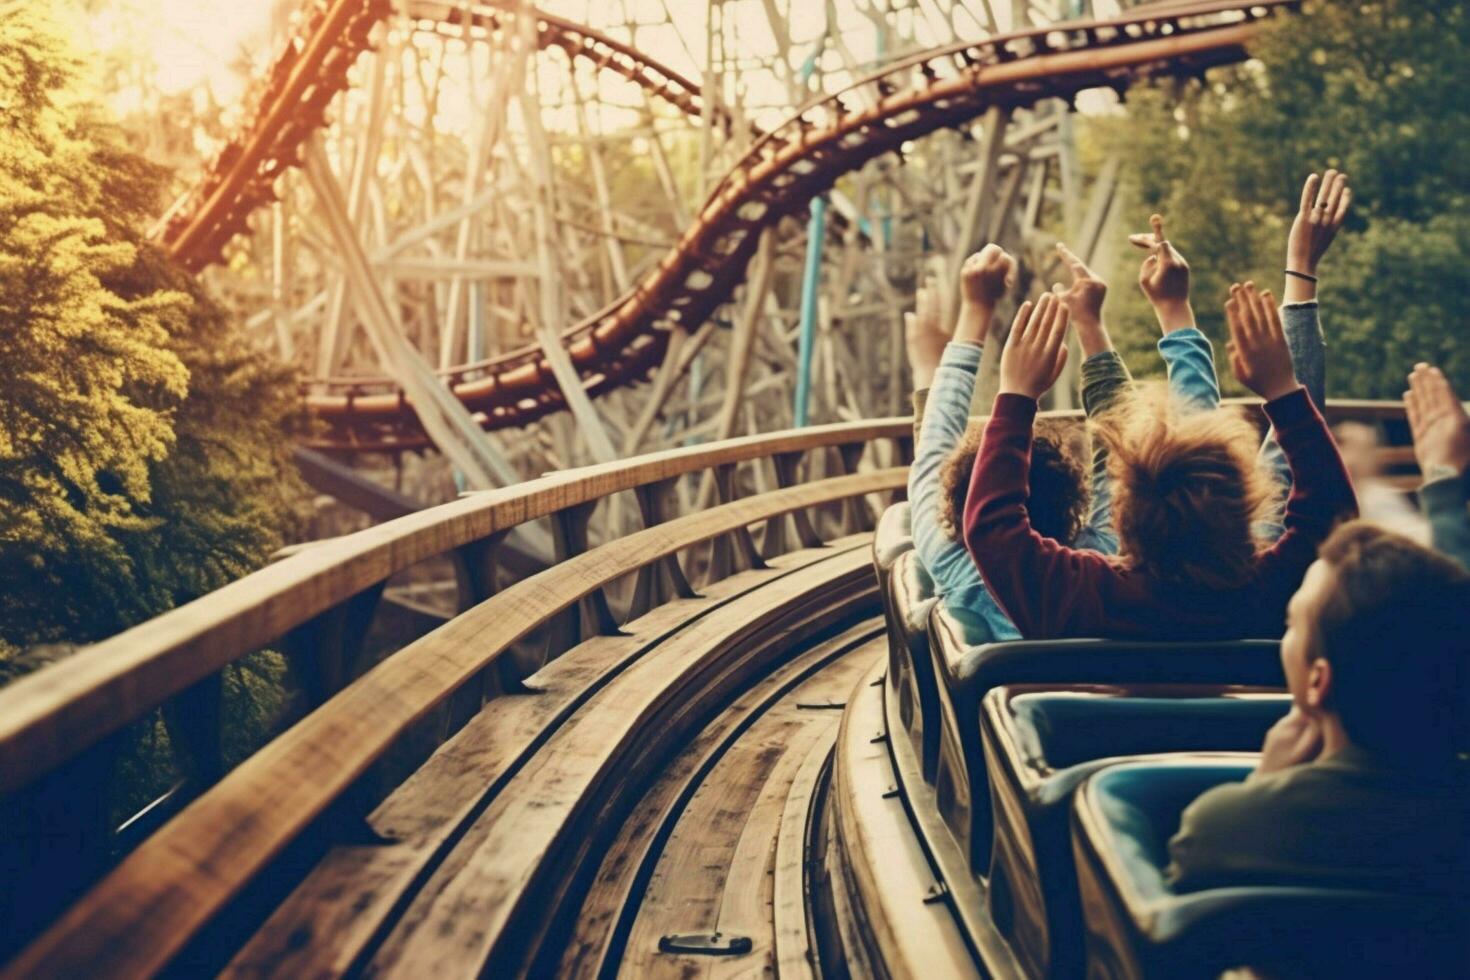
(576, 309)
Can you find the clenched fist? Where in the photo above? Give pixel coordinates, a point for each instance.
(986, 275)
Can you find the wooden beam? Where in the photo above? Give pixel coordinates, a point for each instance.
(444, 418)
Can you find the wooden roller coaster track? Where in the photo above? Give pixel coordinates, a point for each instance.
(783, 170)
(312, 70)
(506, 851)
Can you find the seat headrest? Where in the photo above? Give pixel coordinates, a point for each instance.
(893, 536)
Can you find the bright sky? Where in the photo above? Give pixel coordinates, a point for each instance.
(184, 45)
(191, 42)
(195, 42)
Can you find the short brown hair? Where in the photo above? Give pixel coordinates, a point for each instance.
(1396, 630)
(1058, 494)
(1186, 488)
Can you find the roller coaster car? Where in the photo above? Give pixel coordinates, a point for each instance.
(966, 672)
(1138, 926)
(1041, 743)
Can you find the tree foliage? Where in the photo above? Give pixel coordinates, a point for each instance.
(1367, 87)
(143, 450)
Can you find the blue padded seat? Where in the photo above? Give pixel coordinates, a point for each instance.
(910, 669)
(965, 672)
(1138, 926)
(1042, 742)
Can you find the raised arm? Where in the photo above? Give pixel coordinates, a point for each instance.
(1319, 217)
(984, 278)
(1188, 357)
(1104, 379)
(1323, 208)
(1321, 493)
(1320, 214)
(924, 338)
(1035, 578)
(1442, 445)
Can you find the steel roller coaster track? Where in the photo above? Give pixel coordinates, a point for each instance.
(781, 172)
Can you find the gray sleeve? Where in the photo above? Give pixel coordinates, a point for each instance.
(1302, 324)
(1443, 502)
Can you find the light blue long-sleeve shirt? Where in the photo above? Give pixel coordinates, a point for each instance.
(946, 415)
(1190, 351)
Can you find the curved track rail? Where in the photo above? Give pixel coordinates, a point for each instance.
(830, 136)
(312, 70)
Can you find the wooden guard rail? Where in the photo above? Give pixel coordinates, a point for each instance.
(316, 605)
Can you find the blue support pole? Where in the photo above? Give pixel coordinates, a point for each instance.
(816, 230)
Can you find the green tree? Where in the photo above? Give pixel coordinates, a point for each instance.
(143, 449)
(1367, 87)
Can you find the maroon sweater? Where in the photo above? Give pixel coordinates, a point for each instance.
(1051, 591)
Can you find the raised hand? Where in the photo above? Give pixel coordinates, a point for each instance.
(984, 279)
(924, 335)
(1323, 207)
(1295, 739)
(1438, 421)
(986, 275)
(1036, 350)
(1258, 352)
(1084, 301)
(1164, 278)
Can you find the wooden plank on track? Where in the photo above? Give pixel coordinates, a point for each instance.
(138, 917)
(50, 715)
(647, 767)
(327, 922)
(610, 899)
(967, 893)
(895, 885)
(795, 946)
(747, 903)
(697, 864)
(462, 915)
(748, 896)
(714, 871)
